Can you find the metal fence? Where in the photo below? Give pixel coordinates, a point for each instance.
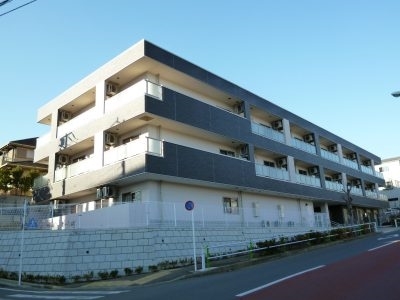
(107, 214)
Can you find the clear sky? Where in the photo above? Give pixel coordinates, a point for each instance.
(334, 63)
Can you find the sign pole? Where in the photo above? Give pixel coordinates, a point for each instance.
(194, 244)
(189, 205)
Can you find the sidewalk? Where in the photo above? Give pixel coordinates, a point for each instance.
(164, 275)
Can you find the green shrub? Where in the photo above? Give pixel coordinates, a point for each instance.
(128, 271)
(114, 274)
(103, 275)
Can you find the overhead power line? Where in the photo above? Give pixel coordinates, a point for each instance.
(14, 9)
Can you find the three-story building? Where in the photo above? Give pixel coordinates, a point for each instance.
(151, 127)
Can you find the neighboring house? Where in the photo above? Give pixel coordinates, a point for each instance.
(390, 168)
(15, 155)
(151, 127)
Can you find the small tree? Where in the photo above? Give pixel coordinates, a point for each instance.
(5, 180)
(349, 203)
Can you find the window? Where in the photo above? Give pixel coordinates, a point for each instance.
(227, 152)
(231, 205)
(132, 196)
(269, 164)
(302, 172)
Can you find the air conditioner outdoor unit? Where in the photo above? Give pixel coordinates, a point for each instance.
(65, 116)
(309, 138)
(282, 162)
(277, 125)
(63, 159)
(110, 139)
(333, 148)
(313, 170)
(353, 155)
(111, 89)
(337, 177)
(99, 193)
(244, 150)
(108, 191)
(240, 107)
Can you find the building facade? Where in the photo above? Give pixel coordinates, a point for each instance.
(390, 168)
(151, 128)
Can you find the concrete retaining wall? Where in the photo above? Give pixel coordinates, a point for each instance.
(77, 252)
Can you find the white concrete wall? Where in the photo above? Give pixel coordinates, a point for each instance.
(77, 252)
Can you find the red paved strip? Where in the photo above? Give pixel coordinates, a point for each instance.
(369, 276)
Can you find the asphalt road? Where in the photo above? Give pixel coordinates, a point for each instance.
(366, 268)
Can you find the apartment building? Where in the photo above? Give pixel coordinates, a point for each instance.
(390, 168)
(151, 127)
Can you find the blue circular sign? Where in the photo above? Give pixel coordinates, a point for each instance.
(189, 205)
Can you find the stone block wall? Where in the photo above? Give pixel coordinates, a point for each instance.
(78, 252)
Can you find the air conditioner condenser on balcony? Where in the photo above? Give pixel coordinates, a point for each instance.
(110, 139)
(63, 159)
(111, 89)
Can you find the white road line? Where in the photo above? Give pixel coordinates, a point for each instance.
(66, 292)
(54, 297)
(376, 248)
(277, 281)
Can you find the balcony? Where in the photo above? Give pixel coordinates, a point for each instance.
(367, 170)
(349, 163)
(329, 155)
(304, 146)
(334, 185)
(265, 171)
(356, 191)
(141, 146)
(308, 180)
(135, 91)
(267, 132)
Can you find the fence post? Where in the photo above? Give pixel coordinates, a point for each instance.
(251, 247)
(22, 244)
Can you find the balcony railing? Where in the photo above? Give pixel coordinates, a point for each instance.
(356, 191)
(378, 174)
(329, 155)
(350, 163)
(135, 91)
(267, 132)
(304, 146)
(275, 173)
(308, 180)
(334, 185)
(367, 170)
(143, 145)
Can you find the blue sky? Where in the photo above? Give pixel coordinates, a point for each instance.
(334, 63)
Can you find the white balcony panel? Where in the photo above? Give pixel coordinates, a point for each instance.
(275, 173)
(43, 140)
(267, 132)
(304, 146)
(77, 122)
(356, 191)
(350, 163)
(308, 180)
(139, 146)
(367, 170)
(334, 185)
(329, 155)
